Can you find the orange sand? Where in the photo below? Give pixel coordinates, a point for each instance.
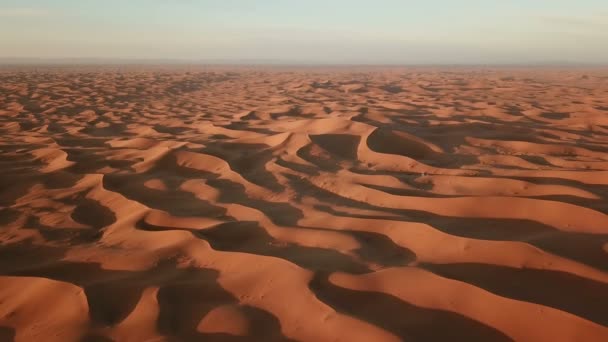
(170, 204)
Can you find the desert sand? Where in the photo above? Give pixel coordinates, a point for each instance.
(303, 204)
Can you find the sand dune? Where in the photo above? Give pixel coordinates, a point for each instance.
(261, 204)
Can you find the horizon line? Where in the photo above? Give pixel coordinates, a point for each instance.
(66, 61)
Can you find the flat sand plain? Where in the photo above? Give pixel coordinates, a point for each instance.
(335, 204)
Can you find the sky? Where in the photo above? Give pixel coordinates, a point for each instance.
(309, 31)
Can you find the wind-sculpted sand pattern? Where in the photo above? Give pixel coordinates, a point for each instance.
(310, 205)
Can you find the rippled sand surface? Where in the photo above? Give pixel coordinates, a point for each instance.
(170, 204)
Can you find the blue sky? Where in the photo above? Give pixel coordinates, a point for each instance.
(312, 31)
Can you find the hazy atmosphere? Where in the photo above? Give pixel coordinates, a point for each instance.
(315, 31)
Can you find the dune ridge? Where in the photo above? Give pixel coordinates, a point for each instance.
(261, 204)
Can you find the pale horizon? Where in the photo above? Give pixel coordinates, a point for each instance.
(386, 32)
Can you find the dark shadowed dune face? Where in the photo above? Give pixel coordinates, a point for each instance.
(303, 205)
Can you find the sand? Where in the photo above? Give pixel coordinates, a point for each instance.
(310, 204)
